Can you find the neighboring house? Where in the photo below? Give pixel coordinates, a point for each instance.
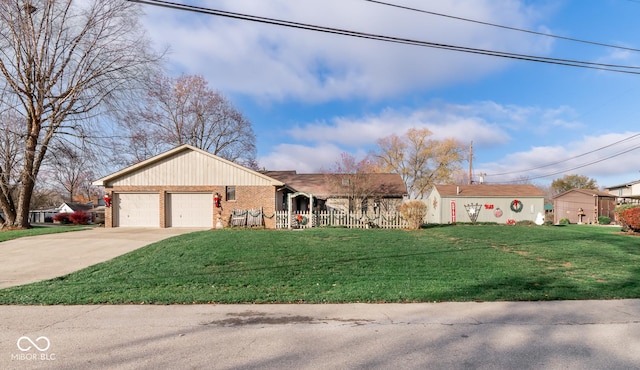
(69, 207)
(485, 203)
(626, 193)
(583, 206)
(177, 189)
(96, 212)
(366, 192)
(42, 215)
(46, 215)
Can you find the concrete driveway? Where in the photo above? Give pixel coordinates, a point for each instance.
(36, 258)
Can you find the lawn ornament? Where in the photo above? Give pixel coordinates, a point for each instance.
(473, 210)
(516, 206)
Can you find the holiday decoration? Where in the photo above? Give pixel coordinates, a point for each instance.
(473, 210)
(516, 206)
(497, 213)
(107, 200)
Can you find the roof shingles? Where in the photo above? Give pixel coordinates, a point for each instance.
(324, 185)
(489, 190)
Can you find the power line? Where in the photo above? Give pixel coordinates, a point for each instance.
(567, 159)
(337, 31)
(582, 165)
(504, 27)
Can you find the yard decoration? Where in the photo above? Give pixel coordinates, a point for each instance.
(302, 220)
(473, 210)
(497, 213)
(107, 200)
(516, 206)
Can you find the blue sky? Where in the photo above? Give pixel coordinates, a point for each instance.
(312, 96)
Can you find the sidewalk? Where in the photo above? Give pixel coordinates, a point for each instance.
(500, 335)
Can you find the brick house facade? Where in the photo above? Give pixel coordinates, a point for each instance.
(176, 189)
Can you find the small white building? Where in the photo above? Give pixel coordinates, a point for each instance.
(504, 204)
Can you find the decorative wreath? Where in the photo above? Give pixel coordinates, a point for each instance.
(302, 220)
(516, 205)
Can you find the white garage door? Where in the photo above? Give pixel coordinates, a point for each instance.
(137, 210)
(190, 210)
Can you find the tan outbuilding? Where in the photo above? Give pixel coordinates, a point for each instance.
(485, 203)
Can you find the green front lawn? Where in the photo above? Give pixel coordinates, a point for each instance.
(447, 263)
(38, 230)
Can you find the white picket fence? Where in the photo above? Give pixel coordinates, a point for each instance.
(387, 220)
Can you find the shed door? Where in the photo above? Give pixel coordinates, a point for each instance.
(190, 210)
(137, 210)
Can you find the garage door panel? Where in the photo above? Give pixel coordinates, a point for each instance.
(138, 210)
(189, 210)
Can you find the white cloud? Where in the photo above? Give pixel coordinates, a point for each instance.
(304, 159)
(609, 158)
(488, 124)
(484, 123)
(274, 62)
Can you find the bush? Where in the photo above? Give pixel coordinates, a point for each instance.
(79, 218)
(631, 218)
(619, 214)
(62, 218)
(414, 212)
(564, 221)
(604, 220)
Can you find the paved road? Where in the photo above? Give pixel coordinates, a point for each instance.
(504, 335)
(36, 258)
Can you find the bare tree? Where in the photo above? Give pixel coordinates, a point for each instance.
(72, 169)
(185, 110)
(352, 180)
(62, 61)
(420, 161)
(11, 154)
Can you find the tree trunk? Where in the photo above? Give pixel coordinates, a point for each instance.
(27, 179)
(24, 200)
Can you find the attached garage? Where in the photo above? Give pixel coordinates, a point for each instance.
(176, 189)
(137, 210)
(189, 210)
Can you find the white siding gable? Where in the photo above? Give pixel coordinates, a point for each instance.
(190, 167)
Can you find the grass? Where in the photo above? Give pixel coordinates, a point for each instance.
(453, 263)
(38, 230)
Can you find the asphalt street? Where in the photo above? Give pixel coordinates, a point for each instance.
(502, 335)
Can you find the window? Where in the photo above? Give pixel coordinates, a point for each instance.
(230, 193)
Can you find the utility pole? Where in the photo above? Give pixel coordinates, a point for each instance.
(471, 163)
